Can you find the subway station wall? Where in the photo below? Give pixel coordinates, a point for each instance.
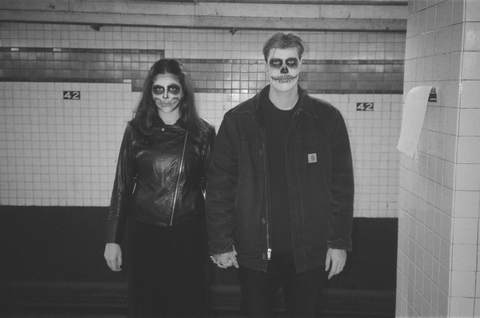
(67, 91)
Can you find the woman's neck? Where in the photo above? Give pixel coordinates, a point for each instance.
(169, 118)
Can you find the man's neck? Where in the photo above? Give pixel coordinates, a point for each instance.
(284, 100)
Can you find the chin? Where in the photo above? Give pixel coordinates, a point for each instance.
(283, 86)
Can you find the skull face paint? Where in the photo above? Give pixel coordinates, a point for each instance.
(167, 93)
(283, 68)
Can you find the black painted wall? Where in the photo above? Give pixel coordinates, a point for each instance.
(66, 244)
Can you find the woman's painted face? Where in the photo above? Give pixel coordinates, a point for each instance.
(283, 68)
(167, 93)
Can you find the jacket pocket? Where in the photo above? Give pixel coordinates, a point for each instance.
(310, 151)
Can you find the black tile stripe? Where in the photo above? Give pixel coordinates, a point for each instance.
(30, 64)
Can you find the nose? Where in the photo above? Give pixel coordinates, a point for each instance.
(165, 94)
(284, 70)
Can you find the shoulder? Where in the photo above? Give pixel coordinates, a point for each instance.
(322, 107)
(208, 130)
(208, 126)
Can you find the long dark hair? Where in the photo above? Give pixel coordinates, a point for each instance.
(146, 114)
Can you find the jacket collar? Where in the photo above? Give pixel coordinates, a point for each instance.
(253, 105)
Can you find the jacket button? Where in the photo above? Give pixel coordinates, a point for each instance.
(263, 221)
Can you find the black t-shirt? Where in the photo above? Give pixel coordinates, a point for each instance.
(277, 124)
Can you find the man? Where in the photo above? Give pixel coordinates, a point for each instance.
(280, 190)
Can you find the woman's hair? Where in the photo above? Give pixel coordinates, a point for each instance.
(146, 114)
(282, 40)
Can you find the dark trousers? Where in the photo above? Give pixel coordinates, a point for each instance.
(168, 270)
(259, 289)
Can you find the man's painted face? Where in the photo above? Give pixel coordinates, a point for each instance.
(283, 68)
(167, 93)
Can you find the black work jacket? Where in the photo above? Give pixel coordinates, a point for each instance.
(320, 181)
(160, 179)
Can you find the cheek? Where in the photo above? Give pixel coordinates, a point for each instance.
(293, 70)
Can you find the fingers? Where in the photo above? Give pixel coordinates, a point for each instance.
(115, 264)
(335, 270)
(335, 261)
(225, 260)
(113, 256)
(234, 262)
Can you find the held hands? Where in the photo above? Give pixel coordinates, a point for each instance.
(335, 261)
(225, 260)
(113, 256)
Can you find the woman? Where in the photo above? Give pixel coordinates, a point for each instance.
(159, 195)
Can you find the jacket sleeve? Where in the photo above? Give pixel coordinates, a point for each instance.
(122, 190)
(342, 189)
(222, 178)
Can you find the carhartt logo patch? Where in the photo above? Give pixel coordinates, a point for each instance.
(312, 157)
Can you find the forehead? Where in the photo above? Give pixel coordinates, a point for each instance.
(283, 54)
(166, 80)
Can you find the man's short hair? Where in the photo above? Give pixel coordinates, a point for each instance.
(281, 40)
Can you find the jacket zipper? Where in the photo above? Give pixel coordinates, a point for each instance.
(180, 169)
(267, 219)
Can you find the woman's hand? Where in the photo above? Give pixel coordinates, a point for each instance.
(225, 260)
(113, 256)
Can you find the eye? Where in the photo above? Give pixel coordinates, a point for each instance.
(291, 62)
(276, 63)
(157, 89)
(174, 89)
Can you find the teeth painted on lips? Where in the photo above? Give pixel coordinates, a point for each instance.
(164, 102)
(284, 79)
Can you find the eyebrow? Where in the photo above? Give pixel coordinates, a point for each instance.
(279, 59)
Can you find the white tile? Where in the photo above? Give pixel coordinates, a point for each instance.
(472, 12)
(450, 148)
(466, 203)
(444, 279)
(443, 304)
(477, 301)
(461, 307)
(445, 253)
(463, 284)
(467, 177)
(465, 231)
(469, 149)
(464, 257)
(472, 30)
(458, 11)
(471, 65)
(469, 121)
(470, 94)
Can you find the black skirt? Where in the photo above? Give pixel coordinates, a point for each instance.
(168, 270)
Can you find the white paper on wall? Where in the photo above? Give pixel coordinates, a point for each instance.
(413, 116)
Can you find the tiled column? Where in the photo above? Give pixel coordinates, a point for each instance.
(439, 199)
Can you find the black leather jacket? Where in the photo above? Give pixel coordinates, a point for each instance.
(320, 180)
(160, 179)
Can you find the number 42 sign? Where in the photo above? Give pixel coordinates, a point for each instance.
(364, 106)
(75, 95)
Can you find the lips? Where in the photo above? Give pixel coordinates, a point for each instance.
(172, 102)
(284, 79)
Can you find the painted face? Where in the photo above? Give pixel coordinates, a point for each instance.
(167, 93)
(283, 68)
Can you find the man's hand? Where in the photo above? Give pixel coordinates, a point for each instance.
(335, 261)
(113, 256)
(225, 260)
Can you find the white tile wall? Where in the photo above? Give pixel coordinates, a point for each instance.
(449, 162)
(56, 152)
